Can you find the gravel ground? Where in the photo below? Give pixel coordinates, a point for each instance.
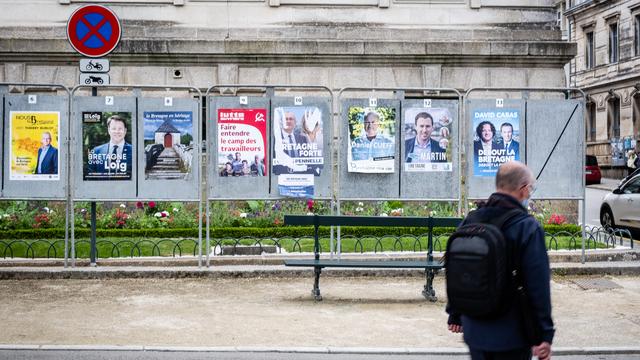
(272, 312)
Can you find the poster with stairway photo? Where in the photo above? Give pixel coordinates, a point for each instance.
(168, 144)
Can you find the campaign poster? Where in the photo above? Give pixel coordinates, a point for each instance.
(296, 185)
(35, 144)
(242, 142)
(372, 139)
(496, 139)
(106, 146)
(298, 140)
(427, 140)
(168, 144)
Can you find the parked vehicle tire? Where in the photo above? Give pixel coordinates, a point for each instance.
(606, 217)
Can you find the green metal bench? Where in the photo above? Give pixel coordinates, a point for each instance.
(429, 265)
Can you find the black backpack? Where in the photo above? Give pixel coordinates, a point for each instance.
(478, 266)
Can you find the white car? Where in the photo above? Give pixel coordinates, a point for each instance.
(621, 208)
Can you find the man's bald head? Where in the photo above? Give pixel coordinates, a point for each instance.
(512, 176)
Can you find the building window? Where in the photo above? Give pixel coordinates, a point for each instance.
(613, 118)
(636, 34)
(613, 43)
(591, 125)
(589, 50)
(636, 116)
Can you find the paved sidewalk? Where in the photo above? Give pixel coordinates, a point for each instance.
(365, 314)
(605, 184)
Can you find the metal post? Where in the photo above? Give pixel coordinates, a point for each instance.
(94, 92)
(93, 233)
(582, 204)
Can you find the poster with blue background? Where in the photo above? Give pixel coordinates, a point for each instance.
(496, 139)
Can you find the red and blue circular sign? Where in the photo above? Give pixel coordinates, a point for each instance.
(93, 30)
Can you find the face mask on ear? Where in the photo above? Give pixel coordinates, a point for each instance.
(525, 203)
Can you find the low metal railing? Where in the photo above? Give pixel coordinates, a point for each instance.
(596, 237)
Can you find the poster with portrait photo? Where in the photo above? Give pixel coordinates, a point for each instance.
(298, 140)
(242, 142)
(427, 139)
(106, 146)
(496, 139)
(168, 144)
(372, 139)
(35, 144)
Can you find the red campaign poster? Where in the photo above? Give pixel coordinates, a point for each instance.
(242, 142)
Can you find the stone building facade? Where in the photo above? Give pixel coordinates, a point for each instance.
(607, 67)
(336, 43)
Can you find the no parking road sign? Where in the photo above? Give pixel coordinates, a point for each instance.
(93, 30)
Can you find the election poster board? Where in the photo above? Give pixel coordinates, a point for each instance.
(168, 144)
(496, 138)
(372, 139)
(106, 144)
(298, 140)
(35, 144)
(242, 142)
(427, 139)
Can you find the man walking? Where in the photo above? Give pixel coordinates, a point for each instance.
(502, 336)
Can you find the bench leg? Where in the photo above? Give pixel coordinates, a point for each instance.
(429, 293)
(316, 285)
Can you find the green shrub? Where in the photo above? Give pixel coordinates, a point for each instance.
(238, 232)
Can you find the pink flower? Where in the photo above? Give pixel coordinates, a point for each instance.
(152, 204)
(139, 205)
(310, 204)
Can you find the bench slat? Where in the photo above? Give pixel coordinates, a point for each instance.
(366, 264)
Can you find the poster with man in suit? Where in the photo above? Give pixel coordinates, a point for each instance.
(427, 134)
(34, 146)
(106, 144)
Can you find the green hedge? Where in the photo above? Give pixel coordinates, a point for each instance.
(238, 232)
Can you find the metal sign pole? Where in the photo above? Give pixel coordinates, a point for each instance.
(93, 251)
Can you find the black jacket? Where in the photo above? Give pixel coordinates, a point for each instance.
(504, 332)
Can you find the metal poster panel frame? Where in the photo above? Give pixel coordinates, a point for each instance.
(32, 118)
(562, 177)
(438, 177)
(366, 186)
(2, 146)
(237, 187)
(102, 187)
(487, 116)
(168, 161)
(307, 163)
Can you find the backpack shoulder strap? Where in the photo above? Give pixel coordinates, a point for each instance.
(501, 220)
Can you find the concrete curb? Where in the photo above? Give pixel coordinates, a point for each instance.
(624, 350)
(626, 268)
(555, 256)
